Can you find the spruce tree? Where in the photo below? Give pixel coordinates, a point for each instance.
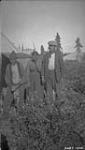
(78, 45)
(58, 40)
(22, 48)
(42, 49)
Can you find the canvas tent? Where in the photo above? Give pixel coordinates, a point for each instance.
(6, 48)
(6, 44)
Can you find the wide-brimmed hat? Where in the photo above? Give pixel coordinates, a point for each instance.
(52, 43)
(12, 55)
(35, 53)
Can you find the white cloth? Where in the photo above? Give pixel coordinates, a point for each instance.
(15, 74)
(51, 64)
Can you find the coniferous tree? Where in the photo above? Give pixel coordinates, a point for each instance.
(78, 45)
(58, 40)
(22, 48)
(42, 49)
(19, 47)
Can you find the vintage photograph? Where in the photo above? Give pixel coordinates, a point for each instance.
(42, 75)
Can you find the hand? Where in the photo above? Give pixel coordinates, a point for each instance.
(43, 80)
(13, 88)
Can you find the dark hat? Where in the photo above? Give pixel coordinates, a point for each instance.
(12, 55)
(35, 53)
(52, 43)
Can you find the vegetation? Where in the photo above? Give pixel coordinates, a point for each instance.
(39, 126)
(78, 45)
(58, 40)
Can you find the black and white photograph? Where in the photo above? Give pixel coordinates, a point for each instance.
(42, 75)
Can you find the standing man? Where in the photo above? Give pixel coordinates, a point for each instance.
(15, 80)
(52, 71)
(35, 78)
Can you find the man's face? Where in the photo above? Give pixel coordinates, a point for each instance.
(13, 60)
(35, 57)
(51, 48)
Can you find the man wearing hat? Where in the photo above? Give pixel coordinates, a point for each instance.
(52, 69)
(14, 78)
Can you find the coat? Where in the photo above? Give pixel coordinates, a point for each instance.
(59, 66)
(8, 75)
(33, 70)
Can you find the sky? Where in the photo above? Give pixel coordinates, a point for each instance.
(36, 22)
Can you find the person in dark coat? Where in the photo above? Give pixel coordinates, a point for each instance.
(35, 76)
(52, 70)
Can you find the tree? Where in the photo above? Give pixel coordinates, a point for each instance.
(22, 48)
(19, 47)
(42, 49)
(78, 45)
(57, 39)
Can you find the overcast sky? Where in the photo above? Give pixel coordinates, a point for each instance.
(38, 22)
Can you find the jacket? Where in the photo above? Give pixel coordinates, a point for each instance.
(8, 75)
(59, 66)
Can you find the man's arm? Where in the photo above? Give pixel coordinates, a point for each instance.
(43, 66)
(27, 74)
(8, 76)
(61, 63)
(22, 70)
(43, 69)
